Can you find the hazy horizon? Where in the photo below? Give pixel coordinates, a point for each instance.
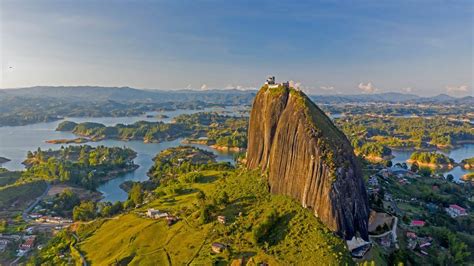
(329, 47)
(229, 89)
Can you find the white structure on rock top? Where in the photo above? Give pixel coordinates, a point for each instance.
(270, 82)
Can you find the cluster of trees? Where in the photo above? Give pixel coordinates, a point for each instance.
(404, 132)
(64, 202)
(176, 161)
(261, 231)
(141, 130)
(82, 165)
(431, 158)
(89, 210)
(226, 131)
(222, 130)
(373, 149)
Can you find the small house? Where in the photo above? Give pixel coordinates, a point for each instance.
(455, 210)
(29, 243)
(417, 223)
(411, 235)
(170, 219)
(221, 219)
(218, 247)
(156, 214)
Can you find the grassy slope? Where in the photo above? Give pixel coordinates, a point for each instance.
(297, 238)
(20, 195)
(7, 178)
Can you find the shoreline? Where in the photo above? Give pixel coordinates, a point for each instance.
(432, 165)
(4, 160)
(69, 141)
(459, 144)
(469, 177)
(115, 173)
(378, 159)
(223, 148)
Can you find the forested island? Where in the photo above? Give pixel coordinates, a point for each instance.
(85, 166)
(372, 151)
(173, 162)
(210, 128)
(406, 132)
(431, 159)
(45, 104)
(4, 160)
(468, 163)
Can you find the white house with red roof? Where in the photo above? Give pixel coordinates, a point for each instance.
(455, 210)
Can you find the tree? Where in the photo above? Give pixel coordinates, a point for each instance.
(450, 177)
(414, 167)
(135, 194)
(425, 171)
(205, 213)
(201, 196)
(458, 249)
(263, 228)
(223, 198)
(87, 210)
(388, 163)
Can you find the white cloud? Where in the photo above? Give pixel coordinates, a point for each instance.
(204, 87)
(295, 84)
(367, 88)
(407, 89)
(457, 89)
(238, 87)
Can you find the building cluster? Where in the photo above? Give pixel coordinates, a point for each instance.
(26, 245)
(455, 211)
(53, 220)
(270, 82)
(415, 241)
(156, 214)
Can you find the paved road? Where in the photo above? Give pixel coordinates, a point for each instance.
(38, 199)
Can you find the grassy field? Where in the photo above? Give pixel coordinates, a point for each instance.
(8, 178)
(297, 237)
(15, 198)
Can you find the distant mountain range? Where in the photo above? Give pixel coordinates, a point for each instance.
(392, 97)
(127, 94)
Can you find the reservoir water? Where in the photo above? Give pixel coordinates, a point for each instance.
(458, 154)
(15, 142)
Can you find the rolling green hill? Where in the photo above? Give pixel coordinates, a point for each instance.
(295, 237)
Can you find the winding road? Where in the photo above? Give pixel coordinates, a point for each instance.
(37, 200)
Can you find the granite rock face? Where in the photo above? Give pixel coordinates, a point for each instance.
(306, 157)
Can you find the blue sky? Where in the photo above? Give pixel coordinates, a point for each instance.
(327, 47)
